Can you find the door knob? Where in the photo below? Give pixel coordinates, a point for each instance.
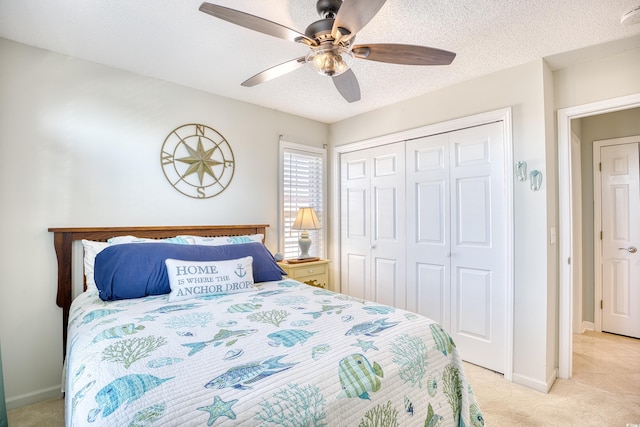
(631, 249)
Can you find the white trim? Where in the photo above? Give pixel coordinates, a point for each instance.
(587, 326)
(34, 397)
(284, 145)
(565, 115)
(503, 115)
(448, 126)
(577, 260)
(542, 387)
(597, 243)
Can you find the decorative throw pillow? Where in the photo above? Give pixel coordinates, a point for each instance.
(225, 240)
(135, 270)
(189, 279)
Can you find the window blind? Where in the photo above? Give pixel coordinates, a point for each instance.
(302, 186)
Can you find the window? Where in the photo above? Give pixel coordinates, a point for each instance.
(302, 185)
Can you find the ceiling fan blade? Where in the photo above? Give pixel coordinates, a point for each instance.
(276, 71)
(347, 85)
(352, 16)
(403, 54)
(255, 23)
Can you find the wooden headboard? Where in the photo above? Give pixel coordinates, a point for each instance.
(63, 239)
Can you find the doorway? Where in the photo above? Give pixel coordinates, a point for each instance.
(616, 258)
(567, 237)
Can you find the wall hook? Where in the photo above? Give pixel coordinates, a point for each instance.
(521, 171)
(536, 180)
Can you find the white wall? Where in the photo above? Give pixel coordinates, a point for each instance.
(522, 88)
(580, 90)
(80, 146)
(606, 78)
(552, 227)
(535, 93)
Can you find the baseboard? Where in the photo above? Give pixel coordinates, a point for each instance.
(34, 397)
(542, 387)
(587, 326)
(552, 379)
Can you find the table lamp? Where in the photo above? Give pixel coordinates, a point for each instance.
(306, 219)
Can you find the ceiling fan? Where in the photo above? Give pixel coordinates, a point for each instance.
(330, 40)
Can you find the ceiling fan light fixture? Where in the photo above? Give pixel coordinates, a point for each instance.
(330, 41)
(631, 17)
(330, 60)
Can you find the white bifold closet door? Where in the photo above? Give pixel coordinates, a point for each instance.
(456, 245)
(423, 229)
(372, 225)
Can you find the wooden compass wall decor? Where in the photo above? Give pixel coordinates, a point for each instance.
(197, 161)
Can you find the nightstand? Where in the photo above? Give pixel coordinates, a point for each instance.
(314, 273)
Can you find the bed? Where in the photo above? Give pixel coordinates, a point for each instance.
(230, 351)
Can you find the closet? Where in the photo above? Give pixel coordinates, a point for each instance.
(423, 228)
(373, 237)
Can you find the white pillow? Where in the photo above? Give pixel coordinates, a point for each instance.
(225, 240)
(93, 248)
(179, 240)
(190, 279)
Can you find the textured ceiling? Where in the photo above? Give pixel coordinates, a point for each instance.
(173, 41)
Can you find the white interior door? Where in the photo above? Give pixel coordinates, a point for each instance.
(428, 228)
(478, 245)
(620, 211)
(388, 236)
(373, 236)
(456, 249)
(355, 240)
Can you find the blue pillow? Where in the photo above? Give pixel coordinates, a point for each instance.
(134, 270)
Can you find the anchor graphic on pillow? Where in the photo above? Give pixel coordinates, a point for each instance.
(240, 271)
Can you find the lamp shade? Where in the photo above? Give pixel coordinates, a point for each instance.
(306, 219)
(330, 61)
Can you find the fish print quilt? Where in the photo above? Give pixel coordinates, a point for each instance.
(287, 354)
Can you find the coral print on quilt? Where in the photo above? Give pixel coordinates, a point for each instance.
(282, 354)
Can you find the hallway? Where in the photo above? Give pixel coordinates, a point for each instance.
(604, 390)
